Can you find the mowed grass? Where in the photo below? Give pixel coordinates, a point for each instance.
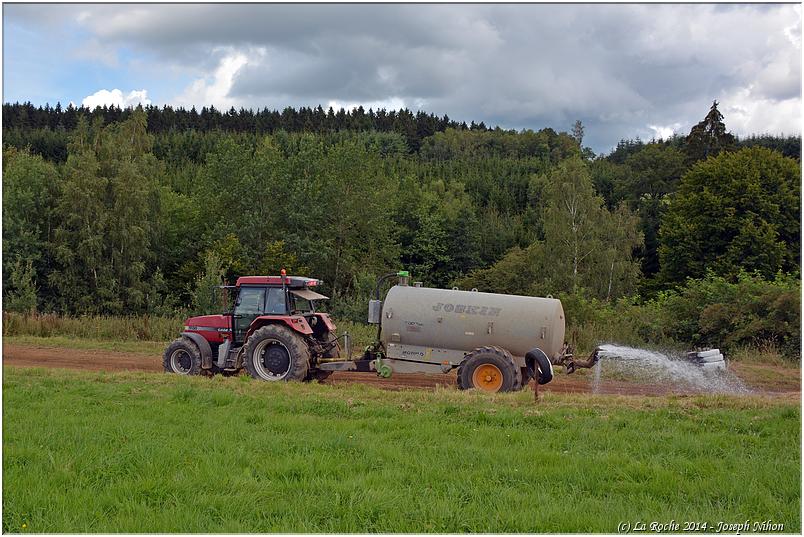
(95, 452)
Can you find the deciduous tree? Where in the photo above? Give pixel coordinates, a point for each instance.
(736, 211)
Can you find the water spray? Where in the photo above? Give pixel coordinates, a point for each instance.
(699, 371)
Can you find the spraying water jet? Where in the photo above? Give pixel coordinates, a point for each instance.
(697, 372)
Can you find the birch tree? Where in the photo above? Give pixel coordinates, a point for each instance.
(572, 222)
(585, 245)
(621, 237)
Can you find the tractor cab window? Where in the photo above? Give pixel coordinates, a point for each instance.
(250, 301)
(276, 302)
(301, 305)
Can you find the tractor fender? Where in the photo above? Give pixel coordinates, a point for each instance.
(538, 362)
(327, 321)
(296, 323)
(203, 346)
(299, 324)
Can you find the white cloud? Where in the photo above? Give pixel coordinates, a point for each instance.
(116, 98)
(793, 32)
(747, 113)
(214, 90)
(663, 132)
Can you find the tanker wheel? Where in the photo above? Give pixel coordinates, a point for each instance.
(274, 352)
(489, 369)
(182, 357)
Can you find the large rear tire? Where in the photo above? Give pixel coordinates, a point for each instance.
(274, 352)
(490, 369)
(182, 357)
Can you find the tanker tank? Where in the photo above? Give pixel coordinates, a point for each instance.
(437, 325)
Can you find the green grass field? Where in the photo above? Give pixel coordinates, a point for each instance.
(95, 452)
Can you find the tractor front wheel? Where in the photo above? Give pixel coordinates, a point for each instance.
(274, 352)
(182, 357)
(489, 369)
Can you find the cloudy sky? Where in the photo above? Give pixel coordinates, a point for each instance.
(624, 70)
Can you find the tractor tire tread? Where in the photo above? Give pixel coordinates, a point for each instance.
(188, 345)
(297, 348)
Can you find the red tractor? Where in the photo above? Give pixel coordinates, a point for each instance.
(273, 331)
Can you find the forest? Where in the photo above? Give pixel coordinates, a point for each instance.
(141, 211)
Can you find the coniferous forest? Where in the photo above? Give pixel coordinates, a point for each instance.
(139, 211)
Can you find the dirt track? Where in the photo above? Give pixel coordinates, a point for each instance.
(769, 379)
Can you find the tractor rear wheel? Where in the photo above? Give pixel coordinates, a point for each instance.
(274, 352)
(182, 357)
(490, 369)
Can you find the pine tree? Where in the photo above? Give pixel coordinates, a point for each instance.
(709, 137)
(577, 132)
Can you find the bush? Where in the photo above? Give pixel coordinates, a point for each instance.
(352, 304)
(22, 295)
(591, 322)
(747, 313)
(750, 311)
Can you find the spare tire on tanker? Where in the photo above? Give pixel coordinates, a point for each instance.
(539, 366)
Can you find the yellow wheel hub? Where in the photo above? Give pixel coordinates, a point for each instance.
(487, 377)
